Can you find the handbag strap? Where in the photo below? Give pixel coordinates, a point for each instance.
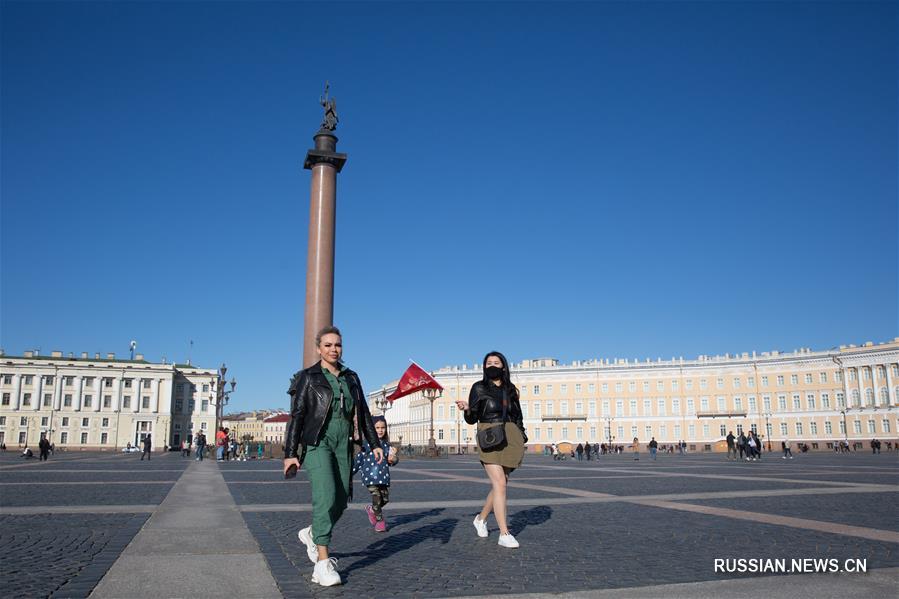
(505, 401)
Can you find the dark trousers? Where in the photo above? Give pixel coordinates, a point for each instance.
(380, 496)
(45, 453)
(145, 453)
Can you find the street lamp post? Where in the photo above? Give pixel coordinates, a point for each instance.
(222, 396)
(431, 395)
(768, 430)
(845, 428)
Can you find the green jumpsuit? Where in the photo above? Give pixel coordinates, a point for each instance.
(328, 462)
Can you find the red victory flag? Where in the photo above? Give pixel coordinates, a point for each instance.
(414, 379)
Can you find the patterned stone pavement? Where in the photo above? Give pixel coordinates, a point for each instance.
(583, 526)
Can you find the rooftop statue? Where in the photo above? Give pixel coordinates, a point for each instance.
(329, 120)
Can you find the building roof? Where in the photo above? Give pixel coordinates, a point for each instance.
(278, 418)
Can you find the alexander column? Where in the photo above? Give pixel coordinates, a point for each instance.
(325, 162)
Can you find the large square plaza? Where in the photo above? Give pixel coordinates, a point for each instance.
(100, 524)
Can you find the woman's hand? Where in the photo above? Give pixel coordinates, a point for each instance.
(288, 462)
(379, 454)
(462, 404)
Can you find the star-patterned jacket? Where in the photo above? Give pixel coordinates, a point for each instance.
(373, 473)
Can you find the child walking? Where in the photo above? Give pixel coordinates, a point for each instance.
(375, 476)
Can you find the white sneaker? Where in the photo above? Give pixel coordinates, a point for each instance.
(325, 574)
(305, 536)
(481, 527)
(507, 540)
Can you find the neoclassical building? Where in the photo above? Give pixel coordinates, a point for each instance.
(816, 397)
(102, 402)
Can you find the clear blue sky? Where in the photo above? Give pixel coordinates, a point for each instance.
(573, 180)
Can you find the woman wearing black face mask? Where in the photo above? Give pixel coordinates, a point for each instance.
(493, 402)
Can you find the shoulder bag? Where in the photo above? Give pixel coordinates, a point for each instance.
(494, 437)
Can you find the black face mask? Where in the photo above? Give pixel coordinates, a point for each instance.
(493, 372)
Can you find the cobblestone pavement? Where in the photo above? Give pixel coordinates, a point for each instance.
(47, 554)
(583, 526)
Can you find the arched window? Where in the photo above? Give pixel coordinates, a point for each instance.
(884, 396)
(855, 398)
(869, 397)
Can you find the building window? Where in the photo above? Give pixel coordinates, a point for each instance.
(48, 399)
(70, 380)
(647, 407)
(719, 382)
(825, 400)
(104, 422)
(688, 384)
(885, 425)
(794, 379)
(797, 404)
(633, 407)
(618, 387)
(810, 401)
(691, 431)
(63, 438)
(633, 431)
(828, 427)
(26, 399)
(646, 386)
(798, 428)
(869, 397)
(7, 379)
(739, 429)
(2, 420)
(145, 383)
(179, 388)
(29, 380)
(722, 430)
(126, 402)
(564, 408)
(44, 421)
(853, 375)
(691, 408)
(107, 401)
(660, 385)
(764, 381)
(206, 388)
(871, 428)
(104, 437)
(65, 421)
(85, 422)
(536, 389)
(204, 405)
(857, 427)
(856, 401)
(783, 428)
(822, 377)
(750, 381)
(88, 399)
(808, 378)
(752, 405)
(782, 403)
(813, 428)
(738, 404)
(841, 400)
(5, 400)
(736, 382)
(842, 427)
(145, 402)
(83, 438)
(128, 383)
(23, 421)
(703, 384)
(675, 385)
(704, 404)
(661, 407)
(705, 431)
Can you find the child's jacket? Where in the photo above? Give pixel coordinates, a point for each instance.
(373, 473)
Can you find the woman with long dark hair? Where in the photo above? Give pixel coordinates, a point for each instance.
(493, 404)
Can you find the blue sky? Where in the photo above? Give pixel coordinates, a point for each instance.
(574, 180)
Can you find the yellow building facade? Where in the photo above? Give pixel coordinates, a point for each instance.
(815, 397)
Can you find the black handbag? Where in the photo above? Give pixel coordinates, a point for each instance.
(493, 438)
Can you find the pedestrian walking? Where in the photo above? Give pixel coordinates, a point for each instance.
(587, 450)
(580, 452)
(200, 442)
(376, 475)
(148, 448)
(327, 406)
(785, 445)
(731, 446)
(44, 447)
(494, 406)
(653, 448)
(636, 447)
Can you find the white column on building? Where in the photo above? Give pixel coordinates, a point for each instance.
(117, 393)
(79, 383)
(844, 373)
(154, 396)
(16, 400)
(890, 392)
(98, 393)
(57, 394)
(38, 391)
(859, 371)
(136, 388)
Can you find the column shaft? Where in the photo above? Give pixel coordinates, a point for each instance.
(320, 258)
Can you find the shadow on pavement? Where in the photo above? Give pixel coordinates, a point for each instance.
(535, 515)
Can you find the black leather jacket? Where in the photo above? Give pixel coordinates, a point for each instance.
(311, 397)
(485, 407)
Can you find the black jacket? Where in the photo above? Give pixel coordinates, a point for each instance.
(484, 407)
(311, 398)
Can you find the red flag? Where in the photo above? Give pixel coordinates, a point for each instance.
(414, 379)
